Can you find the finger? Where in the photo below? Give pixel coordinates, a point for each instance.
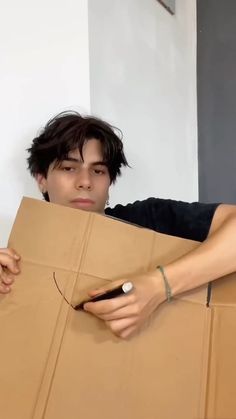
(10, 252)
(127, 333)
(105, 288)
(4, 289)
(108, 306)
(131, 310)
(118, 327)
(6, 278)
(9, 262)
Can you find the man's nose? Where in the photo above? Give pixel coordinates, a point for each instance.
(83, 180)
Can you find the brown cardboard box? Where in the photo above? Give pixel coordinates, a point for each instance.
(57, 363)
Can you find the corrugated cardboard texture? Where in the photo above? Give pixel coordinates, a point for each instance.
(57, 363)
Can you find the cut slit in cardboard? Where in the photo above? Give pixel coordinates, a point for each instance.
(58, 363)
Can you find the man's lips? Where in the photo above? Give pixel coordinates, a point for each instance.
(82, 201)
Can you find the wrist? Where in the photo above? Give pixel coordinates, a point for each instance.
(158, 287)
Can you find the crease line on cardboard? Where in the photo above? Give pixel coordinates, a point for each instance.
(45, 382)
(54, 268)
(209, 292)
(150, 264)
(86, 241)
(41, 403)
(207, 363)
(86, 237)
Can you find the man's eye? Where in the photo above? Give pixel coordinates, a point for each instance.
(99, 171)
(67, 168)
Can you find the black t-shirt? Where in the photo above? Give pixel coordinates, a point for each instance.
(176, 218)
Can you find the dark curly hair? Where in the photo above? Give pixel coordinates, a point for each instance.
(68, 131)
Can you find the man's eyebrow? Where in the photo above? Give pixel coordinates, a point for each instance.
(95, 163)
(99, 163)
(73, 159)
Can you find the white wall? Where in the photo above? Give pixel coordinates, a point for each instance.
(143, 79)
(44, 69)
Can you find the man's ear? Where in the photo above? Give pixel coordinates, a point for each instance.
(42, 182)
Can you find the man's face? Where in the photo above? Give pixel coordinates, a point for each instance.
(78, 183)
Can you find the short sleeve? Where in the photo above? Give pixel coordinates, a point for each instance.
(177, 218)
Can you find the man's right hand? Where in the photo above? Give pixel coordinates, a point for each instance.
(9, 267)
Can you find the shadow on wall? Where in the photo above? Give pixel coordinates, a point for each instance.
(168, 5)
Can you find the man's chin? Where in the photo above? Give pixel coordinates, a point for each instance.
(82, 206)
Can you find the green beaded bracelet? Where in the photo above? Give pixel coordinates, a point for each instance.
(167, 285)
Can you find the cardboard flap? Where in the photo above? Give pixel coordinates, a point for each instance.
(61, 363)
(224, 292)
(49, 234)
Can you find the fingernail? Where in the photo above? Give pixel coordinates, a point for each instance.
(17, 257)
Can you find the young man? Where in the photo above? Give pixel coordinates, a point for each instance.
(74, 160)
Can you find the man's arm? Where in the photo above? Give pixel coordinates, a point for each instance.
(213, 258)
(222, 214)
